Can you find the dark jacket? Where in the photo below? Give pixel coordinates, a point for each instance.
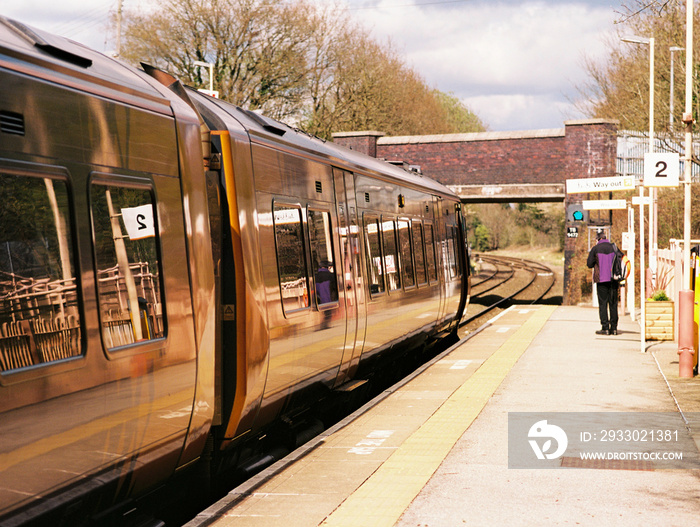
(600, 259)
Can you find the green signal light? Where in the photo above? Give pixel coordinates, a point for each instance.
(578, 215)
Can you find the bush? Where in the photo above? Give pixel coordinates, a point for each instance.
(660, 296)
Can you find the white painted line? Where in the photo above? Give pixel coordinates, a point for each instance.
(461, 364)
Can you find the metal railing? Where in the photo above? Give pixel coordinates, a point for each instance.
(631, 147)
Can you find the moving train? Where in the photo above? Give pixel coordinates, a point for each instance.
(178, 274)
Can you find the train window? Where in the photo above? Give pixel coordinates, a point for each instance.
(128, 264)
(291, 258)
(451, 259)
(322, 256)
(39, 315)
(419, 252)
(391, 258)
(430, 253)
(374, 256)
(455, 247)
(406, 253)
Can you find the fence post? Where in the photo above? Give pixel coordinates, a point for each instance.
(678, 283)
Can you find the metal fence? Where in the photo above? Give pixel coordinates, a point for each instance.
(631, 147)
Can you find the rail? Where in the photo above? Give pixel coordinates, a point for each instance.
(508, 281)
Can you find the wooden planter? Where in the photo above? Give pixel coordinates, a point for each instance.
(659, 320)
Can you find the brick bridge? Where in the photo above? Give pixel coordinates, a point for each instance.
(507, 167)
(502, 167)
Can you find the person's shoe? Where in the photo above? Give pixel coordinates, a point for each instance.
(613, 332)
(602, 332)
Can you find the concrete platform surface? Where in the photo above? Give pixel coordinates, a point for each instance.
(435, 451)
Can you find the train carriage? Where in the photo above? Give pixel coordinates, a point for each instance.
(177, 274)
(344, 257)
(101, 329)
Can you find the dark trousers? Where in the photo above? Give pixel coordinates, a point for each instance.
(607, 300)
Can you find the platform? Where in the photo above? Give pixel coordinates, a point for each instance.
(434, 451)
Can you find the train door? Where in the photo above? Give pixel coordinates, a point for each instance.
(454, 261)
(463, 252)
(351, 272)
(449, 260)
(441, 265)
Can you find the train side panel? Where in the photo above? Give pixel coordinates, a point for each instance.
(452, 251)
(245, 343)
(408, 292)
(304, 216)
(97, 337)
(203, 308)
(299, 250)
(351, 274)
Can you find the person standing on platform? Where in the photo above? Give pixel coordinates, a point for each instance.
(600, 259)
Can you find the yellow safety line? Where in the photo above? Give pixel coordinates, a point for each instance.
(384, 496)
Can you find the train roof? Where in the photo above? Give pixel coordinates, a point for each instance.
(61, 60)
(270, 130)
(65, 62)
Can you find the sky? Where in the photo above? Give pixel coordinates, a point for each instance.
(515, 63)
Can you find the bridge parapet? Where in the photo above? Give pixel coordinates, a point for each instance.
(583, 148)
(526, 193)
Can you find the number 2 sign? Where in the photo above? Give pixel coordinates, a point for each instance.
(661, 170)
(139, 222)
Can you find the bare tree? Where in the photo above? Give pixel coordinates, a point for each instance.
(258, 49)
(619, 87)
(308, 65)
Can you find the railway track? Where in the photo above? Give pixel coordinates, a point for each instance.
(503, 281)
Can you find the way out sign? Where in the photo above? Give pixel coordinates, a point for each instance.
(599, 184)
(604, 204)
(661, 169)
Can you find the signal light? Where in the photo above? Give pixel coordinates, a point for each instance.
(575, 213)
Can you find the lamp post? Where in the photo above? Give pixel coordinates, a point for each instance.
(670, 104)
(652, 193)
(688, 121)
(211, 72)
(649, 42)
(686, 331)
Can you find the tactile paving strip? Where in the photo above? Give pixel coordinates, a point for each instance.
(381, 500)
(367, 471)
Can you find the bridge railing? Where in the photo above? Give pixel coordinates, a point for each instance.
(631, 147)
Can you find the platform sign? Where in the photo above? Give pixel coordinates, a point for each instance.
(604, 204)
(599, 184)
(641, 200)
(627, 241)
(661, 169)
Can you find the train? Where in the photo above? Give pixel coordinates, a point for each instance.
(179, 274)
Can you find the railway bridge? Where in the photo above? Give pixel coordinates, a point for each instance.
(508, 167)
(502, 167)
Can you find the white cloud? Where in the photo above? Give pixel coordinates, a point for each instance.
(524, 56)
(521, 111)
(80, 20)
(514, 62)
